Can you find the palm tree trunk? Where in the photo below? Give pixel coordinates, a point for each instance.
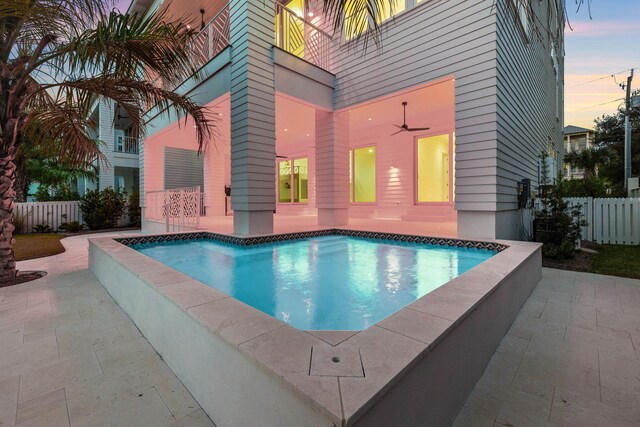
(7, 195)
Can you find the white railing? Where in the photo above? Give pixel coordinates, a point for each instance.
(126, 144)
(28, 215)
(301, 38)
(212, 39)
(206, 44)
(610, 220)
(179, 209)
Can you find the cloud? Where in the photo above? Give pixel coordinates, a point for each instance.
(602, 28)
(586, 99)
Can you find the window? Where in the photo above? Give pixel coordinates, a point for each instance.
(433, 169)
(293, 181)
(522, 10)
(363, 175)
(357, 19)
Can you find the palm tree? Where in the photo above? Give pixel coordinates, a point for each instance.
(56, 58)
(589, 160)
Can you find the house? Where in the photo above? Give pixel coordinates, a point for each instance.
(438, 123)
(119, 147)
(576, 139)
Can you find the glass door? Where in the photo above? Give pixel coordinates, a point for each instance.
(433, 169)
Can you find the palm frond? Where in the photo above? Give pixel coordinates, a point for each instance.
(123, 45)
(134, 95)
(62, 126)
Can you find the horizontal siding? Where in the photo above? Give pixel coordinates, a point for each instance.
(434, 40)
(527, 100)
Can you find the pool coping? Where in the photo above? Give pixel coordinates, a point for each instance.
(372, 361)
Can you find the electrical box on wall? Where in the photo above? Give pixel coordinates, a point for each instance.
(524, 192)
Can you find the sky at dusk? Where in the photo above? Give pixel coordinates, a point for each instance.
(605, 44)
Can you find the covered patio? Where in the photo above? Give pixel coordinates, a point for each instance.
(283, 223)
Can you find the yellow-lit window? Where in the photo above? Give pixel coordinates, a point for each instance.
(293, 180)
(433, 169)
(364, 175)
(301, 180)
(356, 19)
(289, 27)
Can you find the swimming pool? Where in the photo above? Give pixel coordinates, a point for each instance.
(331, 282)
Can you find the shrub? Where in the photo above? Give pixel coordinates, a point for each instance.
(102, 209)
(590, 187)
(20, 221)
(135, 216)
(558, 224)
(43, 228)
(71, 227)
(46, 193)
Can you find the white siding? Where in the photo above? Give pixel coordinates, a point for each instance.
(252, 106)
(106, 137)
(434, 40)
(527, 100)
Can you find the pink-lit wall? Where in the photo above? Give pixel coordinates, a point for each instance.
(216, 155)
(431, 106)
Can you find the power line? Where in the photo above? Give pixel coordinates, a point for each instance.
(598, 105)
(601, 78)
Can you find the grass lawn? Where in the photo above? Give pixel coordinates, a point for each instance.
(618, 260)
(37, 245)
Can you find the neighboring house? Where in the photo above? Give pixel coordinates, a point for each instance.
(485, 77)
(120, 148)
(576, 139)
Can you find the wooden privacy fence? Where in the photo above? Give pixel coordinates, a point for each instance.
(611, 220)
(51, 213)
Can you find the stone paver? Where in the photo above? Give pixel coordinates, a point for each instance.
(69, 356)
(569, 359)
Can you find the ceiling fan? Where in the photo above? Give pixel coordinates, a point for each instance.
(404, 127)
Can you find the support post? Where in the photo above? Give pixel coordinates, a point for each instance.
(332, 168)
(253, 173)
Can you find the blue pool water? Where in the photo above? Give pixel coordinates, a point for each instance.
(320, 283)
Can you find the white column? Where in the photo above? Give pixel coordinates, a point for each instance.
(332, 168)
(252, 116)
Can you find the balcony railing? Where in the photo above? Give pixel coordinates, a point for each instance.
(126, 144)
(302, 38)
(205, 45)
(212, 39)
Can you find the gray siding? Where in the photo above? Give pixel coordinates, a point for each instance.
(252, 106)
(438, 39)
(527, 99)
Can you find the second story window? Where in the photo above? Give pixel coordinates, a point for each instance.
(357, 20)
(523, 9)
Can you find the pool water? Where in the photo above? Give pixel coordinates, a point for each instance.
(321, 283)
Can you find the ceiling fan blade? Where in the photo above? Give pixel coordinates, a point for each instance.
(415, 129)
(395, 133)
(280, 157)
(399, 127)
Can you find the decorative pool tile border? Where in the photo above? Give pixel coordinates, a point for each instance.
(273, 238)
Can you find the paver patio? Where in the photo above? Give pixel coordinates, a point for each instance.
(70, 356)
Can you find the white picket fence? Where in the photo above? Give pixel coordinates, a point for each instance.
(51, 213)
(611, 220)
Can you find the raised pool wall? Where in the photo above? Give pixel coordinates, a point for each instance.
(416, 367)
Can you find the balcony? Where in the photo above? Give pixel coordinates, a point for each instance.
(301, 38)
(126, 144)
(212, 39)
(205, 45)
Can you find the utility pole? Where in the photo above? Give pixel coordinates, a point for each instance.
(627, 132)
